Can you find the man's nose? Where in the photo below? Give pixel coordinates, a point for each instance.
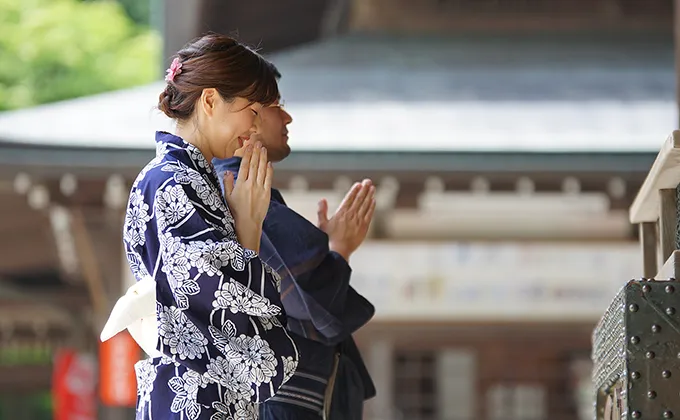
(287, 118)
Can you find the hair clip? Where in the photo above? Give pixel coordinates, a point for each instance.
(174, 70)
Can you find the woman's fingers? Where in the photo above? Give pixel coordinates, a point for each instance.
(245, 165)
(254, 162)
(269, 176)
(262, 168)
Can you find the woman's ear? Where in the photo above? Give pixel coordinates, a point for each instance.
(208, 101)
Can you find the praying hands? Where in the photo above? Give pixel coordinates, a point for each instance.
(348, 227)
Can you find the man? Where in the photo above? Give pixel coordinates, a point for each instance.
(331, 381)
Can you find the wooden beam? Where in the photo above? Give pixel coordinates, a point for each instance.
(61, 297)
(28, 253)
(23, 313)
(404, 224)
(665, 173)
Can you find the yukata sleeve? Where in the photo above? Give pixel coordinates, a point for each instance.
(329, 284)
(218, 306)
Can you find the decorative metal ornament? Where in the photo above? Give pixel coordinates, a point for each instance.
(636, 353)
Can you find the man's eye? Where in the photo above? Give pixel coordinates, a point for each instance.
(254, 112)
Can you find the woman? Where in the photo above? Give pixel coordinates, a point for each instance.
(222, 347)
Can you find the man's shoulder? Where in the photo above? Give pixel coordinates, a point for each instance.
(232, 164)
(277, 197)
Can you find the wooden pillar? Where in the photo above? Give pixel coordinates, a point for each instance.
(334, 19)
(98, 236)
(648, 243)
(676, 33)
(111, 253)
(181, 23)
(380, 364)
(667, 222)
(97, 241)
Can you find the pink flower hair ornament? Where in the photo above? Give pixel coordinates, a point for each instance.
(174, 70)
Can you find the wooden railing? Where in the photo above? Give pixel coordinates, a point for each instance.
(636, 344)
(655, 210)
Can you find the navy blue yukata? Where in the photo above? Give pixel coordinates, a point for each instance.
(221, 323)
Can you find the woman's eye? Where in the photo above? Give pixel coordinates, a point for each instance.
(254, 112)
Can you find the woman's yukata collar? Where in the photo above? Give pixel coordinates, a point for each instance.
(194, 152)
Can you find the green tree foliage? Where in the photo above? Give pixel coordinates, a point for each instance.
(52, 50)
(138, 10)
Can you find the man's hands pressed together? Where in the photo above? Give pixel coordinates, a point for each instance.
(348, 227)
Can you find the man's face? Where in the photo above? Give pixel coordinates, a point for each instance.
(272, 131)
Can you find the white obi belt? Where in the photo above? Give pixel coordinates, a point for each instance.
(136, 311)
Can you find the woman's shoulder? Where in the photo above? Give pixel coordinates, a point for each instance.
(169, 168)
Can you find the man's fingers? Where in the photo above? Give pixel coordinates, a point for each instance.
(361, 197)
(369, 213)
(350, 197)
(228, 183)
(322, 212)
(366, 203)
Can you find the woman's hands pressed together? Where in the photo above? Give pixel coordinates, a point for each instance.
(248, 198)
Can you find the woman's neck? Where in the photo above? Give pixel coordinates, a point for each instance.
(192, 135)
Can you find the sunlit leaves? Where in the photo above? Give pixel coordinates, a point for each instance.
(52, 50)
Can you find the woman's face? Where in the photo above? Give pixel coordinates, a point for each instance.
(230, 124)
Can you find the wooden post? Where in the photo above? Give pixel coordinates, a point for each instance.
(648, 245)
(181, 23)
(379, 361)
(332, 19)
(676, 32)
(667, 222)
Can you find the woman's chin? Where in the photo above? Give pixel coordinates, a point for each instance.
(229, 151)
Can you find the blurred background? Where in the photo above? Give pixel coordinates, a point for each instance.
(507, 137)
